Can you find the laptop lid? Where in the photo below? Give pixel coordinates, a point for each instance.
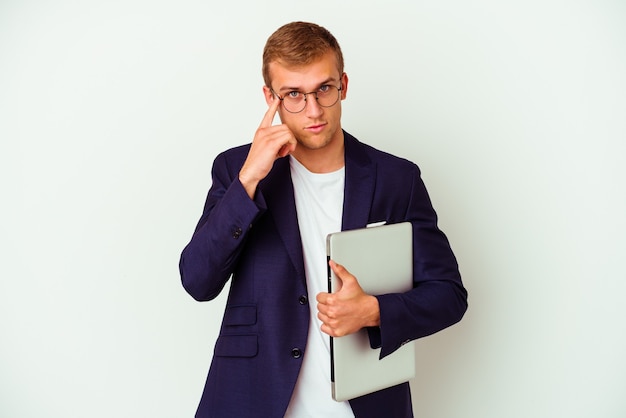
(381, 258)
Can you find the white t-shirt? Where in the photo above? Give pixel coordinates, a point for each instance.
(319, 204)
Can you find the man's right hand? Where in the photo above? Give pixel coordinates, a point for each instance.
(270, 143)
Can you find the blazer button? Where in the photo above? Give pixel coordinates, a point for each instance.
(237, 233)
(296, 353)
(303, 300)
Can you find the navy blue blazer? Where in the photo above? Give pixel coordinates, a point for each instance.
(256, 243)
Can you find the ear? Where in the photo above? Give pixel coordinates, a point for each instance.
(344, 86)
(269, 96)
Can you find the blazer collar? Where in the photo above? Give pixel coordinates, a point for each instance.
(360, 183)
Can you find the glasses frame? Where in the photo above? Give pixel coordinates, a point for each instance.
(314, 93)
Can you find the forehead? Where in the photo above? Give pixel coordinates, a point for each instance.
(304, 77)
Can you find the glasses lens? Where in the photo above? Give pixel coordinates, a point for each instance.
(328, 96)
(294, 102)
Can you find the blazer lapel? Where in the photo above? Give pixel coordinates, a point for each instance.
(359, 187)
(277, 190)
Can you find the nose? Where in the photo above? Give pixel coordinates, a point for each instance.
(312, 108)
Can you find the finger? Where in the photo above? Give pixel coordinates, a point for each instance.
(271, 112)
(347, 279)
(288, 148)
(323, 318)
(327, 330)
(321, 297)
(339, 270)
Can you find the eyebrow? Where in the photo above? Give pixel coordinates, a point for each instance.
(329, 79)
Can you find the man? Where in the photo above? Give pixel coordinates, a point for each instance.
(264, 224)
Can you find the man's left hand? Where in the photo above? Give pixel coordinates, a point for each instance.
(348, 309)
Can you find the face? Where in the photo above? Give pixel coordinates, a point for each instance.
(315, 127)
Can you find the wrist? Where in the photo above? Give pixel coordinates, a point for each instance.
(373, 308)
(248, 183)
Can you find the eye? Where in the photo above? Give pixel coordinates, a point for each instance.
(324, 89)
(293, 94)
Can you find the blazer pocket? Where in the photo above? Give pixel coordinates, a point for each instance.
(237, 346)
(240, 315)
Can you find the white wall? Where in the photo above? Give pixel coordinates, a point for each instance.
(112, 112)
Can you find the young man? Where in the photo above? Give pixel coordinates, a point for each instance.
(264, 225)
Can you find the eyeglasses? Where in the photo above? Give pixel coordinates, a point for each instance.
(295, 101)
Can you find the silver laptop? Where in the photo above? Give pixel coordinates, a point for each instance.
(381, 258)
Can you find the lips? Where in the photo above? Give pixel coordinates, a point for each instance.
(316, 128)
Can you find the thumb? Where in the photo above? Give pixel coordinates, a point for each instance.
(344, 275)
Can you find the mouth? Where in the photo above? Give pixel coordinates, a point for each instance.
(316, 128)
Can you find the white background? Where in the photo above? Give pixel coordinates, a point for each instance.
(111, 113)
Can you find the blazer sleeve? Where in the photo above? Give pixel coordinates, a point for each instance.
(438, 298)
(209, 259)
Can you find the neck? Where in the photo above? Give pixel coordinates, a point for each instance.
(322, 160)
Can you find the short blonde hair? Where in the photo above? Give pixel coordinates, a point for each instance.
(297, 44)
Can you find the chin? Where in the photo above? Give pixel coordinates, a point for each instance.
(314, 143)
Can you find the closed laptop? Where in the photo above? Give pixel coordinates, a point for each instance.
(381, 258)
